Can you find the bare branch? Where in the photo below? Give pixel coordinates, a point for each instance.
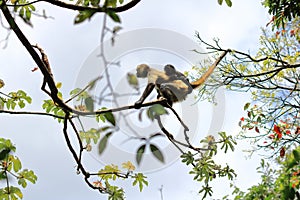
(62, 4)
(176, 142)
(30, 113)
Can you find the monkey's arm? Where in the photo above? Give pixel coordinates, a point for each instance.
(145, 94)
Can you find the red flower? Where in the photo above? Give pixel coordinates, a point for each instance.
(277, 131)
(279, 136)
(288, 132)
(294, 173)
(292, 33)
(242, 119)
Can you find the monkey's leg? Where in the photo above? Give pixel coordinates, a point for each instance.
(145, 94)
(167, 93)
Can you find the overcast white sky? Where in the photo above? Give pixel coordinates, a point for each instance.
(40, 143)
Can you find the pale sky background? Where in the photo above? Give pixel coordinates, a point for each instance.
(39, 140)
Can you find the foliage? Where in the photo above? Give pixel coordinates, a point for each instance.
(280, 182)
(140, 179)
(13, 99)
(112, 172)
(282, 11)
(274, 67)
(11, 167)
(272, 77)
(271, 121)
(204, 167)
(25, 9)
(278, 138)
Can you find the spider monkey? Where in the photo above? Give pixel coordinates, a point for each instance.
(176, 88)
(170, 83)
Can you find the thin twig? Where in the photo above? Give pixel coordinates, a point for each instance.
(30, 113)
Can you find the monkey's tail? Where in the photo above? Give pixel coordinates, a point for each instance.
(210, 70)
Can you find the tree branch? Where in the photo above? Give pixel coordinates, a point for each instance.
(30, 113)
(62, 4)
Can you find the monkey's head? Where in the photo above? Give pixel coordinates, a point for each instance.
(169, 69)
(142, 70)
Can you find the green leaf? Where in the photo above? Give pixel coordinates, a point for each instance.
(132, 80)
(6, 144)
(58, 85)
(110, 117)
(296, 154)
(22, 182)
(229, 3)
(2, 176)
(246, 106)
(93, 82)
(111, 3)
(100, 117)
(89, 103)
(21, 104)
(27, 175)
(140, 179)
(113, 16)
(157, 153)
(109, 172)
(15, 193)
(115, 193)
(95, 3)
(258, 119)
(16, 164)
(187, 158)
(83, 15)
(220, 2)
(28, 99)
(28, 13)
(4, 153)
(103, 143)
(139, 154)
(156, 110)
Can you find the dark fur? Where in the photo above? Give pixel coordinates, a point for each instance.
(170, 84)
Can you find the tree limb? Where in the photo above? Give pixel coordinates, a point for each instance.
(62, 4)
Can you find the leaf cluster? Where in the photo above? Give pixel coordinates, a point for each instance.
(13, 99)
(11, 167)
(112, 172)
(283, 11)
(205, 169)
(88, 14)
(275, 137)
(279, 181)
(24, 8)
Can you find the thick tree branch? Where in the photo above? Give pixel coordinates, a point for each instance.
(41, 65)
(62, 4)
